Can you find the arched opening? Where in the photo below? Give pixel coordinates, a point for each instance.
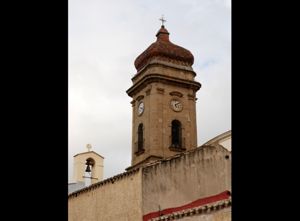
(140, 138)
(89, 171)
(176, 134)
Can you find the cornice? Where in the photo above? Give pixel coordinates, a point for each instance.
(164, 64)
(155, 77)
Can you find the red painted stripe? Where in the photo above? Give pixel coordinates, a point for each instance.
(221, 196)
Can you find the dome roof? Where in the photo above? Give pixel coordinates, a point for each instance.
(164, 50)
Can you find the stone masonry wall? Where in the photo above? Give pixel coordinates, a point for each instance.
(199, 173)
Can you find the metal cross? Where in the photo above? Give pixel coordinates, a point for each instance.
(162, 19)
(89, 147)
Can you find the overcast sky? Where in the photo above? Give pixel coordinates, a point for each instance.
(105, 37)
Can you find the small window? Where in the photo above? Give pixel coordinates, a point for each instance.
(140, 138)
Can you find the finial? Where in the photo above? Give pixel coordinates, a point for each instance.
(162, 20)
(89, 147)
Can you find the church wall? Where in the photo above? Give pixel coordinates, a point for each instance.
(172, 183)
(119, 200)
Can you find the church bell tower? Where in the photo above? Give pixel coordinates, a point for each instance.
(163, 101)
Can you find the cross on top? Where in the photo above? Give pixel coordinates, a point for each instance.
(89, 147)
(162, 19)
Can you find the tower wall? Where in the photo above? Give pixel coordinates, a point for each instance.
(158, 113)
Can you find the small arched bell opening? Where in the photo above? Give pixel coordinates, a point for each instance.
(89, 171)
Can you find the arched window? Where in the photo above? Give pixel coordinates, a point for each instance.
(140, 138)
(176, 134)
(89, 171)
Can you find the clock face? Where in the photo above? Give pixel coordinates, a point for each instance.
(141, 108)
(176, 105)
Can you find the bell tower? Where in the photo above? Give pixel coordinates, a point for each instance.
(88, 162)
(163, 101)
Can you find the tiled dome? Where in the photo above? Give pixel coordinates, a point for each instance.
(163, 49)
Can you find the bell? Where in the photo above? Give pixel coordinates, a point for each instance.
(88, 169)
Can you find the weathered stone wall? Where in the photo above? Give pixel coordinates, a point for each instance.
(115, 200)
(200, 173)
(173, 182)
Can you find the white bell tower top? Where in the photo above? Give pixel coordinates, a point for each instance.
(96, 165)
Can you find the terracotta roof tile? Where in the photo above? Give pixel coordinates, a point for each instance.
(163, 49)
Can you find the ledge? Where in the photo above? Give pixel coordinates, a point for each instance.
(139, 152)
(177, 149)
(150, 78)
